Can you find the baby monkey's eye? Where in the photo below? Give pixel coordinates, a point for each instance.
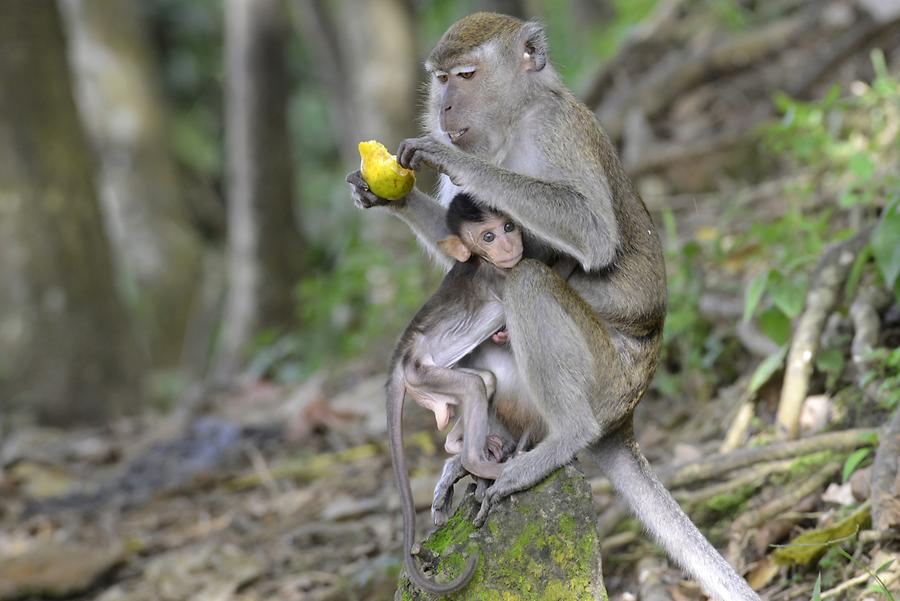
(488, 237)
(467, 74)
(441, 77)
(509, 226)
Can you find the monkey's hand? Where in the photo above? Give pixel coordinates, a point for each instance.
(365, 198)
(425, 150)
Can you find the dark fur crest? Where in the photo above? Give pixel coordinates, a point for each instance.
(464, 209)
(470, 32)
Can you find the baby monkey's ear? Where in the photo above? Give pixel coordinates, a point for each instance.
(456, 248)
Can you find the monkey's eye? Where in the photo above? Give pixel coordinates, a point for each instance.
(442, 77)
(467, 74)
(488, 237)
(509, 226)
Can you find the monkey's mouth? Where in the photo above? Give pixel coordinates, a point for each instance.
(456, 135)
(511, 262)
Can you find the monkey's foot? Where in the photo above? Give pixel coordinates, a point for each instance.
(513, 479)
(443, 492)
(489, 498)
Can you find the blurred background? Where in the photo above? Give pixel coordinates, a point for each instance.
(195, 319)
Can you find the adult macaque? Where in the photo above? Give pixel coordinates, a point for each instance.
(465, 311)
(503, 127)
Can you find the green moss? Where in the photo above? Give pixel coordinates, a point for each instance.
(806, 463)
(457, 529)
(524, 539)
(732, 501)
(494, 528)
(525, 555)
(543, 484)
(567, 526)
(574, 590)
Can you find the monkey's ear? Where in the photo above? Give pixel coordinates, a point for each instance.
(453, 246)
(534, 42)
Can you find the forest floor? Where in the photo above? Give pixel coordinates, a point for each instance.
(287, 493)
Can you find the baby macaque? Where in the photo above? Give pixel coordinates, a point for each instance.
(465, 312)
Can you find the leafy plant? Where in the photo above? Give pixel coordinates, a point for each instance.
(690, 346)
(364, 299)
(885, 369)
(850, 146)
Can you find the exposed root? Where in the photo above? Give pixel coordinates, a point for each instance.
(886, 478)
(829, 277)
(743, 526)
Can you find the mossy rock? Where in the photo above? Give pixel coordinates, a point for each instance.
(538, 545)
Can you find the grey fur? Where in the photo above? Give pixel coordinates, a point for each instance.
(586, 348)
(459, 317)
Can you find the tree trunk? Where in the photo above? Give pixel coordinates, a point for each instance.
(65, 348)
(265, 253)
(119, 96)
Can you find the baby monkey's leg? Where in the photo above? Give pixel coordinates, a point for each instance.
(470, 388)
(454, 471)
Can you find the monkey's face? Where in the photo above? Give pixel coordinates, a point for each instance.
(497, 240)
(469, 106)
(452, 94)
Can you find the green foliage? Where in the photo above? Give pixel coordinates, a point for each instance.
(767, 368)
(188, 37)
(854, 460)
(885, 246)
(576, 42)
(886, 371)
(689, 345)
(812, 544)
(836, 558)
(730, 12)
(850, 146)
(360, 304)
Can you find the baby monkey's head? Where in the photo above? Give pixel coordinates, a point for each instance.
(478, 231)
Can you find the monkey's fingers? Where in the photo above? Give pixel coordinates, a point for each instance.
(413, 152)
(362, 196)
(482, 516)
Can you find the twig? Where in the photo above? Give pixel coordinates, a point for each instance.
(716, 465)
(754, 340)
(753, 475)
(617, 540)
(673, 75)
(674, 476)
(886, 478)
(856, 581)
(740, 425)
(830, 274)
(773, 458)
(681, 151)
(609, 519)
(743, 525)
(603, 80)
(871, 299)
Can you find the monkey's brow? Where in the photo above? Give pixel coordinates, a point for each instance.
(452, 66)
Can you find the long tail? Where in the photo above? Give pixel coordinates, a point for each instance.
(630, 474)
(395, 393)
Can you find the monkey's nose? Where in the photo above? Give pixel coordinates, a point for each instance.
(447, 108)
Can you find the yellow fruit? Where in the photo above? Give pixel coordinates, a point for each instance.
(383, 173)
